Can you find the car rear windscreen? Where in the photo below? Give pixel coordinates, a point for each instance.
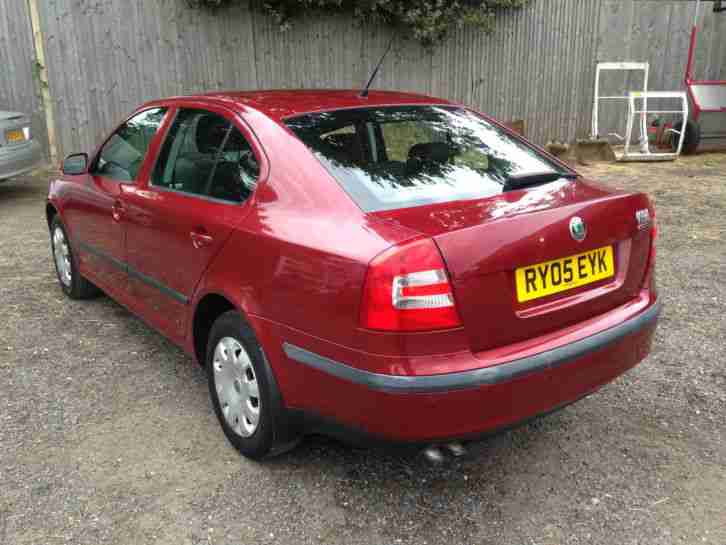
(398, 157)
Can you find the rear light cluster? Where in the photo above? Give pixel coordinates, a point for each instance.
(407, 289)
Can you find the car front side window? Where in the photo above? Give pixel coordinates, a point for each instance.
(123, 154)
(205, 154)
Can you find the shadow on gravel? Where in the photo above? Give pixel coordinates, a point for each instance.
(379, 466)
(496, 472)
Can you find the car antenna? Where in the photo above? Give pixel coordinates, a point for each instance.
(364, 92)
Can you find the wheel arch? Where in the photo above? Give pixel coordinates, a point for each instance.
(209, 307)
(50, 212)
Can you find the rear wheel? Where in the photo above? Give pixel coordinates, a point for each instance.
(691, 140)
(242, 388)
(73, 284)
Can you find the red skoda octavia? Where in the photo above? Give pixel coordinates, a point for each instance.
(390, 267)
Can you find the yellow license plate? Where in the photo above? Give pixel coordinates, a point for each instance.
(14, 136)
(550, 277)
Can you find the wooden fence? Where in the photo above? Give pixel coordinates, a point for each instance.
(105, 57)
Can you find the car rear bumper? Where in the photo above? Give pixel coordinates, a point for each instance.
(497, 374)
(20, 160)
(472, 403)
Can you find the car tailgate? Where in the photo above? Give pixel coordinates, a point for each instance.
(484, 243)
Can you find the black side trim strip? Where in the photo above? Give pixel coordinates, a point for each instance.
(103, 255)
(477, 377)
(128, 269)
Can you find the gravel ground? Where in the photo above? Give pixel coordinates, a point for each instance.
(107, 434)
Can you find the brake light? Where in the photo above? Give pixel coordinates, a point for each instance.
(407, 289)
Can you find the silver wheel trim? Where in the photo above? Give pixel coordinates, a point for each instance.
(236, 385)
(62, 256)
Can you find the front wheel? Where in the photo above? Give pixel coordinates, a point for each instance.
(73, 284)
(242, 388)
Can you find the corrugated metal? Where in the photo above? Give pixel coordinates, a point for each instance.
(19, 88)
(107, 56)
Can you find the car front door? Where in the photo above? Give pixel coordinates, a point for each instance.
(101, 206)
(194, 197)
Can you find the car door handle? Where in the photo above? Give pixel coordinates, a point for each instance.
(200, 238)
(117, 210)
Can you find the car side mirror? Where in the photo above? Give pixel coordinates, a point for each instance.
(75, 164)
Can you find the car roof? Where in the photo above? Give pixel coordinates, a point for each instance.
(282, 103)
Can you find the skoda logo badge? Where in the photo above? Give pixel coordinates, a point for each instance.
(578, 229)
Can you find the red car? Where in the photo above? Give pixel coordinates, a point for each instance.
(390, 267)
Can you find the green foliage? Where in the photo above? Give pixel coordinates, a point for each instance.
(37, 70)
(428, 21)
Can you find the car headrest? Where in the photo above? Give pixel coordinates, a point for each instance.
(344, 146)
(211, 131)
(436, 152)
(226, 182)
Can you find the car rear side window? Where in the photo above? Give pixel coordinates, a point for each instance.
(205, 154)
(402, 156)
(123, 154)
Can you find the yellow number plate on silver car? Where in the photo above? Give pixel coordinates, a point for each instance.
(550, 277)
(14, 136)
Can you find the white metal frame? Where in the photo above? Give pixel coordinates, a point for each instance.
(622, 66)
(645, 154)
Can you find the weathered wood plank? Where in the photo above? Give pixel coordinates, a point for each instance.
(106, 56)
(19, 85)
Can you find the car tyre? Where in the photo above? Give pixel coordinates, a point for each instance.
(243, 390)
(73, 284)
(691, 140)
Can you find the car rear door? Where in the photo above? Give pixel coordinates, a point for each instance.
(99, 209)
(193, 198)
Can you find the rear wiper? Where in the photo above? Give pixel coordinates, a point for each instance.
(518, 181)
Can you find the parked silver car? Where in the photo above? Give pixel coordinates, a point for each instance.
(19, 153)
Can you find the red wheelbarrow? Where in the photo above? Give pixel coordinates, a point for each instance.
(707, 123)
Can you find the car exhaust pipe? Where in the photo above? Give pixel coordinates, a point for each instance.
(456, 449)
(435, 455)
